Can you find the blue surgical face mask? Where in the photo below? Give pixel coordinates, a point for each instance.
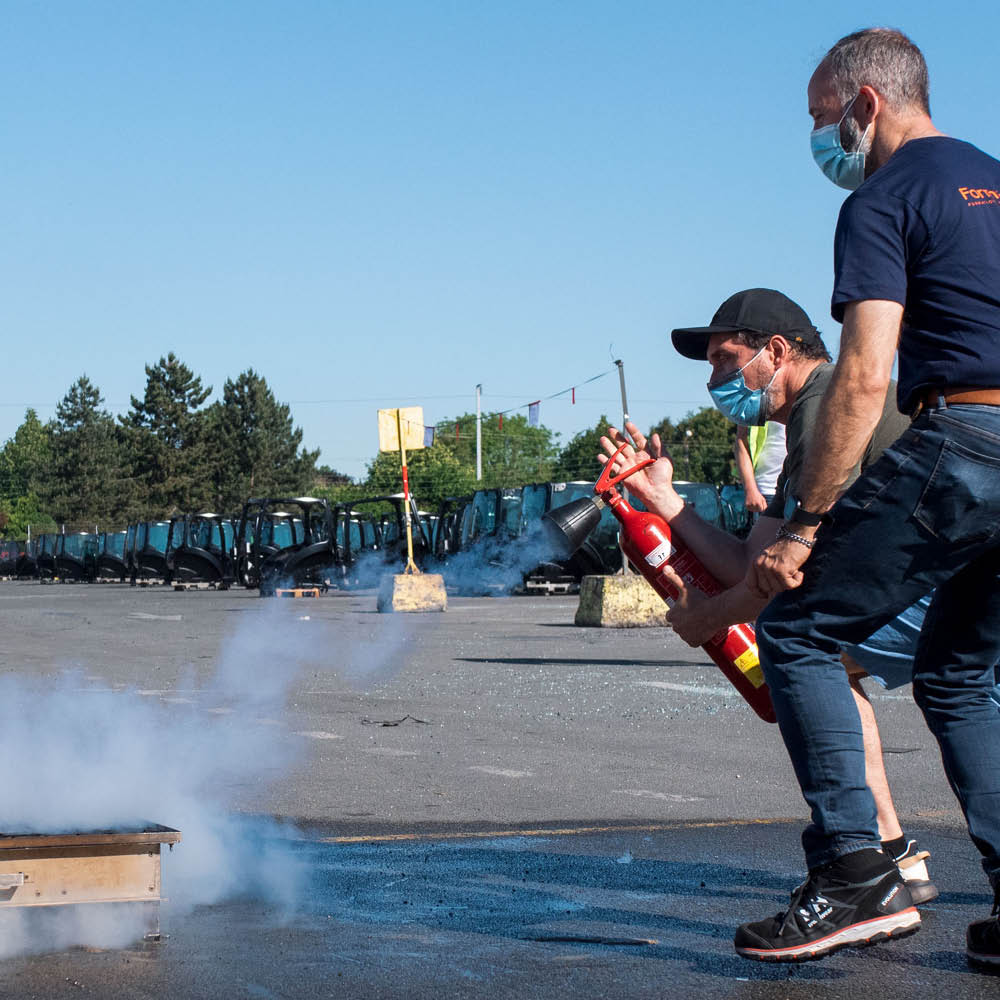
(736, 402)
(846, 170)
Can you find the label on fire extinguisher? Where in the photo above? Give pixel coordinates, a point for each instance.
(660, 554)
(749, 664)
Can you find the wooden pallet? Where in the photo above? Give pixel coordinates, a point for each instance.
(297, 592)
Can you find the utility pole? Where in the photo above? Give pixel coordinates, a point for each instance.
(621, 381)
(479, 432)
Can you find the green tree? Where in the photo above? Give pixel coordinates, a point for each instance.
(255, 446)
(578, 460)
(26, 459)
(328, 476)
(23, 512)
(701, 446)
(166, 438)
(434, 473)
(87, 472)
(513, 454)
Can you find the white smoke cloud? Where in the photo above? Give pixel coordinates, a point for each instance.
(497, 563)
(79, 759)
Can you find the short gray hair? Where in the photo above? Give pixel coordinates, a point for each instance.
(885, 59)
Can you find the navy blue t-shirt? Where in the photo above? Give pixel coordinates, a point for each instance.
(924, 231)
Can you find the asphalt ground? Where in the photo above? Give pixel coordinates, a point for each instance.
(550, 811)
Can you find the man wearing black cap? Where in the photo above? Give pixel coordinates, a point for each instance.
(770, 363)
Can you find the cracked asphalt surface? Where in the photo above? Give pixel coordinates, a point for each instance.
(560, 812)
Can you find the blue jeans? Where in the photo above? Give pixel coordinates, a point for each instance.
(926, 515)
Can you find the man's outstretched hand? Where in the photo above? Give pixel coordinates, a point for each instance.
(653, 485)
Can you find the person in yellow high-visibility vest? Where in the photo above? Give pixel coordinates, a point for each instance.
(760, 454)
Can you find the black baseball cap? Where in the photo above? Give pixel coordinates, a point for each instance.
(759, 310)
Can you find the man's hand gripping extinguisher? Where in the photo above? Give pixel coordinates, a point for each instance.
(650, 545)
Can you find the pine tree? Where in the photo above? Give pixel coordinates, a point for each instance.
(256, 447)
(165, 433)
(86, 464)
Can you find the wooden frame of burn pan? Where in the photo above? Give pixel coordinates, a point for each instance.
(92, 867)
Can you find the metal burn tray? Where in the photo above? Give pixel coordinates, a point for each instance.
(86, 867)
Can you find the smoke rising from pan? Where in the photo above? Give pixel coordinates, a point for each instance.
(79, 758)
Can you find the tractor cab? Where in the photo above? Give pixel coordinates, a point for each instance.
(287, 542)
(76, 556)
(149, 552)
(200, 550)
(112, 563)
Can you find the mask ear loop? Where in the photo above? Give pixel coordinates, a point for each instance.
(847, 110)
(843, 118)
(729, 376)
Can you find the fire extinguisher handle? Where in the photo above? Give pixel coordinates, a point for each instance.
(606, 480)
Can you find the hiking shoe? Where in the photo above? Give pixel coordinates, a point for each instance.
(912, 865)
(982, 939)
(828, 913)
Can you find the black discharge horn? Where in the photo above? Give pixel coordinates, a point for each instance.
(567, 527)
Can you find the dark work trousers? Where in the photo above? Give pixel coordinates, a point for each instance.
(926, 515)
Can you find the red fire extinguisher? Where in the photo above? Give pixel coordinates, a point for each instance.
(649, 544)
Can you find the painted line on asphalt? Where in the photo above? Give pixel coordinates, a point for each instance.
(686, 688)
(500, 772)
(644, 793)
(567, 831)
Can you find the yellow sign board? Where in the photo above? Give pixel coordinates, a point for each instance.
(411, 418)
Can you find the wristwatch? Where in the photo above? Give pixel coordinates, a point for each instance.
(797, 514)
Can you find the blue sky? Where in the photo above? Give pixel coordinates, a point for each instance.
(380, 204)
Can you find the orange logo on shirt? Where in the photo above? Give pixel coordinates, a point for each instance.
(980, 196)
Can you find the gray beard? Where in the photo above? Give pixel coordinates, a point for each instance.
(855, 136)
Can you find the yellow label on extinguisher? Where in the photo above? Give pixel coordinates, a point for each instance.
(748, 664)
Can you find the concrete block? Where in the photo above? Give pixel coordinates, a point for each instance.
(620, 602)
(412, 592)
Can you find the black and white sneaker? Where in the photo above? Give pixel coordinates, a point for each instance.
(828, 913)
(912, 865)
(982, 939)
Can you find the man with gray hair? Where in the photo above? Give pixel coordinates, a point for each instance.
(917, 267)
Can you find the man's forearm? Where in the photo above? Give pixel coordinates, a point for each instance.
(853, 402)
(703, 620)
(724, 555)
(736, 606)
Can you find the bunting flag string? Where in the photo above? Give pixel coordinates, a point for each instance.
(533, 407)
